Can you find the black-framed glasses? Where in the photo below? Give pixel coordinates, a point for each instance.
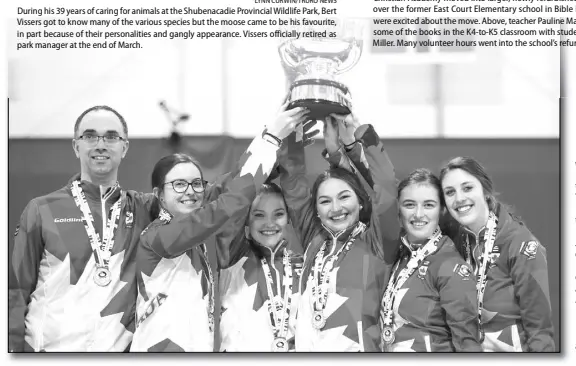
(108, 139)
(181, 185)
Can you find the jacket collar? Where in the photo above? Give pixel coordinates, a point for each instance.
(411, 247)
(504, 220)
(343, 234)
(92, 191)
(268, 253)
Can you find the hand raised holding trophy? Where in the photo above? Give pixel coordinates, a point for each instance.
(317, 62)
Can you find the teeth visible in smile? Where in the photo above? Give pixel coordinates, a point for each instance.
(100, 157)
(187, 201)
(419, 223)
(339, 217)
(463, 209)
(269, 232)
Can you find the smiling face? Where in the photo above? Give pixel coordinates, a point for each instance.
(181, 203)
(100, 161)
(419, 211)
(465, 199)
(268, 219)
(337, 204)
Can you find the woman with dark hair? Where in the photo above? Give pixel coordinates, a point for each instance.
(175, 305)
(507, 259)
(430, 302)
(259, 273)
(349, 227)
(258, 280)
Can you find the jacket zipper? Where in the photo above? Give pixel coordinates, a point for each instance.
(273, 265)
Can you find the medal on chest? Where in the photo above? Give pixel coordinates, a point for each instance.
(397, 280)
(322, 272)
(485, 262)
(279, 304)
(101, 248)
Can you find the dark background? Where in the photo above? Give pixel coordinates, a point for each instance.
(526, 172)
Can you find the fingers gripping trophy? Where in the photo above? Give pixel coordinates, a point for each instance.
(316, 62)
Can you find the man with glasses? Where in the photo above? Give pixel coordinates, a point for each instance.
(74, 251)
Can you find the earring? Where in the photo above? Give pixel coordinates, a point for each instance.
(361, 207)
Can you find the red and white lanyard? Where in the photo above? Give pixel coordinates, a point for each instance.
(481, 271)
(102, 248)
(210, 278)
(279, 304)
(321, 276)
(396, 283)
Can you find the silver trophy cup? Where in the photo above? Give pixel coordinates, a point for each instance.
(317, 62)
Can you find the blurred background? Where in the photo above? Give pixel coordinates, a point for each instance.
(210, 98)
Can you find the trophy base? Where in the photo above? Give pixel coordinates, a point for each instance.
(320, 108)
(320, 96)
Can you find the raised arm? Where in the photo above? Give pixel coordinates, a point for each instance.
(366, 155)
(24, 265)
(294, 182)
(172, 236)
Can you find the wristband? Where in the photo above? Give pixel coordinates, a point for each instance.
(348, 147)
(271, 138)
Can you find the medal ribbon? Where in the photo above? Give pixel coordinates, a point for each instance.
(321, 279)
(394, 285)
(103, 249)
(279, 312)
(481, 271)
(210, 277)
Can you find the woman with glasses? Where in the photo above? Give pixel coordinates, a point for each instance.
(175, 304)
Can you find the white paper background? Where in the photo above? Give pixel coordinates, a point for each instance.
(568, 337)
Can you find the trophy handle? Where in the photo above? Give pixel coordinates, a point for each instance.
(355, 51)
(286, 60)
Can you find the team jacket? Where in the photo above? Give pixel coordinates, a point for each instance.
(173, 295)
(57, 306)
(357, 281)
(435, 310)
(517, 315)
(245, 324)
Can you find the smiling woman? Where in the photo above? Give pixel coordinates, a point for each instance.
(349, 229)
(429, 303)
(175, 304)
(258, 273)
(260, 318)
(507, 259)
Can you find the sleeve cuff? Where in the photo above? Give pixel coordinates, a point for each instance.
(367, 135)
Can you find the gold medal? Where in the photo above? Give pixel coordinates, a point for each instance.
(102, 277)
(318, 320)
(388, 335)
(280, 345)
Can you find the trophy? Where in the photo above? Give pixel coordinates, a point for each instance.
(316, 62)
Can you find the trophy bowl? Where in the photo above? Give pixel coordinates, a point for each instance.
(317, 62)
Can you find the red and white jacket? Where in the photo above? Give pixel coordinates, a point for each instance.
(173, 272)
(435, 310)
(517, 315)
(358, 280)
(57, 306)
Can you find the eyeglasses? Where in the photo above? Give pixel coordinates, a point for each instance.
(108, 139)
(181, 185)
